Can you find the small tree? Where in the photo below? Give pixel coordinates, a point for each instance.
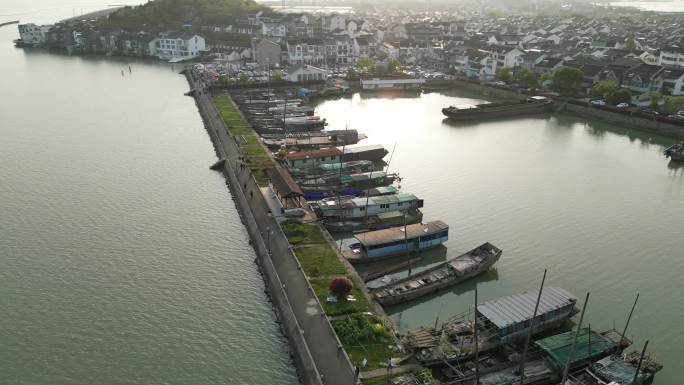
(340, 287)
(393, 66)
(365, 64)
(674, 103)
(621, 95)
(527, 78)
(243, 78)
(655, 97)
(604, 89)
(567, 80)
(504, 74)
(630, 44)
(277, 75)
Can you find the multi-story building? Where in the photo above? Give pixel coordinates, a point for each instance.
(672, 57)
(174, 46)
(305, 51)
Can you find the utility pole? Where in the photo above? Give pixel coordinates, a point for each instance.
(529, 332)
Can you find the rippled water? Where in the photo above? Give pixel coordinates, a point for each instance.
(123, 260)
(597, 205)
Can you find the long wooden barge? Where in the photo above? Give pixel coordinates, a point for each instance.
(442, 276)
(531, 105)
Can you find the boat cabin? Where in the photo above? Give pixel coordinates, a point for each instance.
(307, 159)
(398, 240)
(509, 317)
(361, 207)
(589, 347)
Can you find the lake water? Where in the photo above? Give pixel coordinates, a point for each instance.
(123, 259)
(657, 6)
(597, 205)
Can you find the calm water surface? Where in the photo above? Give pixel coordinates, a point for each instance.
(123, 260)
(597, 205)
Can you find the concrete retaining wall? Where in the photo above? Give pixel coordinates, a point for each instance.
(316, 350)
(654, 126)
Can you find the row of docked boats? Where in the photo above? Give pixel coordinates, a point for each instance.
(350, 191)
(487, 346)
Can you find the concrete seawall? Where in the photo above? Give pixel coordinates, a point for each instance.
(315, 348)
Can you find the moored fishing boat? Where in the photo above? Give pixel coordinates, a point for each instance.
(531, 105)
(501, 321)
(545, 364)
(376, 212)
(360, 180)
(378, 245)
(447, 274)
(675, 152)
(618, 370)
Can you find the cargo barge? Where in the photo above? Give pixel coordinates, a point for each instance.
(531, 105)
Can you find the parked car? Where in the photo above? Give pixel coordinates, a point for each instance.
(598, 102)
(650, 111)
(623, 105)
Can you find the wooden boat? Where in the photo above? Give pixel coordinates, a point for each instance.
(364, 180)
(617, 370)
(675, 152)
(379, 221)
(447, 274)
(501, 321)
(532, 105)
(373, 246)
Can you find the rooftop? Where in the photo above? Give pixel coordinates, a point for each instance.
(378, 237)
(517, 308)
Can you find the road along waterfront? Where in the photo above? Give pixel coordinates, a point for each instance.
(596, 204)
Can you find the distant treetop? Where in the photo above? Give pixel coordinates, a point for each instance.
(160, 15)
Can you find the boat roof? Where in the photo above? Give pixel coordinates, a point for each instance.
(357, 149)
(516, 308)
(371, 201)
(313, 154)
(379, 237)
(589, 345)
(384, 190)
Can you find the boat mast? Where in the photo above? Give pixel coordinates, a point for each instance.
(641, 359)
(337, 192)
(529, 332)
(391, 156)
(566, 371)
(629, 317)
(477, 351)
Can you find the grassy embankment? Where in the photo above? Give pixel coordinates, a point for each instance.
(362, 335)
(254, 152)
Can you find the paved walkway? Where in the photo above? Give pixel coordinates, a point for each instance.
(329, 356)
(395, 370)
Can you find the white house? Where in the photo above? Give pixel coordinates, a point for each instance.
(306, 73)
(673, 82)
(513, 58)
(335, 22)
(32, 34)
(671, 56)
(177, 47)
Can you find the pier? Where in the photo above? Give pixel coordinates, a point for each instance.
(316, 350)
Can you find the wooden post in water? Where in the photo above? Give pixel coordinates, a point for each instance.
(529, 332)
(477, 351)
(641, 359)
(566, 371)
(629, 318)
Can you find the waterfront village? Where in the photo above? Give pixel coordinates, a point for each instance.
(325, 213)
